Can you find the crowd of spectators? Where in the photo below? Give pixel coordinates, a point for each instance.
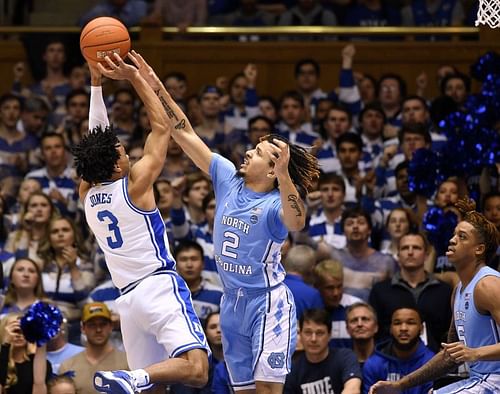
(363, 264)
(184, 13)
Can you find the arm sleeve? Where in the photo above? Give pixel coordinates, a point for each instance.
(349, 91)
(180, 224)
(98, 115)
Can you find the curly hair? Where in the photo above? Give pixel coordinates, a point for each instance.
(487, 232)
(303, 167)
(96, 155)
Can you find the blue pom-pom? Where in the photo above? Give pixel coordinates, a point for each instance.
(439, 226)
(489, 63)
(471, 143)
(490, 91)
(422, 175)
(41, 323)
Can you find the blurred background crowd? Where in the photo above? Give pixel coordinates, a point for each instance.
(244, 12)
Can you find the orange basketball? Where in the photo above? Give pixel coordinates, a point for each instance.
(102, 37)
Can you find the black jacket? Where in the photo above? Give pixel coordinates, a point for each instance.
(433, 302)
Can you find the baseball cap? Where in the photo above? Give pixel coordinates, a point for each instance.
(95, 309)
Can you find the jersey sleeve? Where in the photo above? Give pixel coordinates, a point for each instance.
(222, 172)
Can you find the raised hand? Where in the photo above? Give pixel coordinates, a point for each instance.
(250, 72)
(12, 331)
(19, 70)
(348, 53)
(118, 69)
(280, 155)
(145, 70)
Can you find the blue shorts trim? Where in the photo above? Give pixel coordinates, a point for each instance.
(185, 348)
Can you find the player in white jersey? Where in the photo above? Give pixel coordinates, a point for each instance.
(255, 208)
(474, 331)
(163, 337)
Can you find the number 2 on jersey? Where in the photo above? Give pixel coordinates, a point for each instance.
(232, 241)
(115, 240)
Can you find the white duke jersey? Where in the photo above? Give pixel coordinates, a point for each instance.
(134, 241)
(248, 231)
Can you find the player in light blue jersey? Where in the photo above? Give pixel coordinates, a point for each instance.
(256, 206)
(163, 337)
(474, 333)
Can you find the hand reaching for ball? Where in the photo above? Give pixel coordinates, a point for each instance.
(117, 68)
(145, 70)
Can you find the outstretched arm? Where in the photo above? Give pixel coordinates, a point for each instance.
(182, 131)
(98, 115)
(148, 168)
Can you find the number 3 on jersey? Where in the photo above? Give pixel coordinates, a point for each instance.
(232, 241)
(115, 240)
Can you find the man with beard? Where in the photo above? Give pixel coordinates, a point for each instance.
(403, 353)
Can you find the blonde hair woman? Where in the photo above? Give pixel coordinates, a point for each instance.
(23, 368)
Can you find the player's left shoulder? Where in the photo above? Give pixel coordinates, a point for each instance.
(489, 284)
(487, 293)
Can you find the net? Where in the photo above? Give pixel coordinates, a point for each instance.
(488, 13)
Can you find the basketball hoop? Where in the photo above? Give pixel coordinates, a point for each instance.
(488, 13)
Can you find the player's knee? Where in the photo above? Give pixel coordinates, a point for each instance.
(268, 387)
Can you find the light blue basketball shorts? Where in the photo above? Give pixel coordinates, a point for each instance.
(259, 334)
(486, 384)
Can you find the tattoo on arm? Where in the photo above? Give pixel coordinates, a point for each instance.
(294, 204)
(433, 369)
(169, 111)
(181, 124)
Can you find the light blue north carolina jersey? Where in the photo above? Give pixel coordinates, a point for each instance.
(248, 231)
(134, 241)
(474, 328)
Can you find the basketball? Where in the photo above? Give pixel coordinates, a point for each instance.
(102, 37)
